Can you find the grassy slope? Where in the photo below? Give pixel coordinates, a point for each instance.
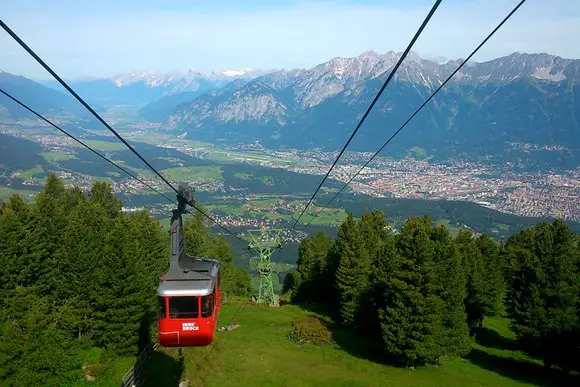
(197, 173)
(259, 354)
(6, 192)
(105, 145)
(36, 171)
(53, 157)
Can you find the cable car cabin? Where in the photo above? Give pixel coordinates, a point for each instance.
(189, 293)
(188, 309)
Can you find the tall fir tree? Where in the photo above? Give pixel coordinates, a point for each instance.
(473, 265)
(494, 267)
(308, 281)
(544, 297)
(451, 288)
(411, 321)
(352, 274)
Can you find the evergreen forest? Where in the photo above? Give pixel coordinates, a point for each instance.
(78, 279)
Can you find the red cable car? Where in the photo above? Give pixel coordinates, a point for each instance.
(189, 294)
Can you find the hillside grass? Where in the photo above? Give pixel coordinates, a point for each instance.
(259, 353)
(217, 154)
(28, 173)
(53, 157)
(105, 145)
(453, 230)
(7, 192)
(196, 173)
(329, 216)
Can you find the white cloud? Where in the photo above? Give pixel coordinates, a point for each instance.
(79, 40)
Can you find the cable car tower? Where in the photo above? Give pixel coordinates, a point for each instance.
(265, 242)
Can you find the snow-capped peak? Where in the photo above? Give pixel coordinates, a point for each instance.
(235, 73)
(149, 77)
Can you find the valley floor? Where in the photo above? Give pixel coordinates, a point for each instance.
(259, 353)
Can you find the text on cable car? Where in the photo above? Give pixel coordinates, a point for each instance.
(190, 326)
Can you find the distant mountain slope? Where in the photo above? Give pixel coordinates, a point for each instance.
(144, 87)
(531, 98)
(19, 154)
(39, 97)
(160, 109)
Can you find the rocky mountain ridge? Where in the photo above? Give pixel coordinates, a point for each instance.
(520, 97)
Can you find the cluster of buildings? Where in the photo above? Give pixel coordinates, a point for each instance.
(539, 194)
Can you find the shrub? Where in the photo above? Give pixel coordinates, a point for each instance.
(310, 330)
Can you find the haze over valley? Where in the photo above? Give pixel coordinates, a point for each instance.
(503, 134)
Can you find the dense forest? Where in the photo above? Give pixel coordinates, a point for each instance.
(77, 273)
(424, 294)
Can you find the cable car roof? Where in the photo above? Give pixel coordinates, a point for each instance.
(193, 276)
(185, 288)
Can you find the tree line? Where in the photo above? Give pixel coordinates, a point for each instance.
(78, 273)
(424, 294)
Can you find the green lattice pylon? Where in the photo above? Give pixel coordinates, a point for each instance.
(265, 242)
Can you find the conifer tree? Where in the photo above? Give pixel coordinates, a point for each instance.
(312, 253)
(13, 231)
(74, 270)
(544, 296)
(494, 289)
(372, 227)
(352, 274)
(48, 218)
(373, 230)
(102, 194)
(411, 320)
(473, 265)
(451, 288)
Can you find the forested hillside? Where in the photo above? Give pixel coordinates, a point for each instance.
(78, 282)
(424, 294)
(78, 276)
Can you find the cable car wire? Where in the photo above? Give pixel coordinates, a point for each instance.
(421, 107)
(385, 84)
(83, 144)
(82, 101)
(94, 113)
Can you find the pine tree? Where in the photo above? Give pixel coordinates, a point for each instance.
(494, 283)
(47, 222)
(13, 231)
(241, 284)
(102, 194)
(196, 235)
(410, 312)
(451, 289)
(473, 265)
(373, 230)
(544, 297)
(34, 347)
(312, 253)
(372, 227)
(73, 270)
(352, 274)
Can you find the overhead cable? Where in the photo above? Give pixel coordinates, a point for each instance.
(420, 107)
(380, 92)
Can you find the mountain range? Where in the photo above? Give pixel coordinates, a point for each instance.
(525, 98)
(142, 87)
(44, 99)
(520, 98)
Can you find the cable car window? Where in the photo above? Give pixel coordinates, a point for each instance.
(206, 305)
(183, 307)
(162, 307)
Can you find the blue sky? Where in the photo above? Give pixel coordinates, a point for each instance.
(101, 38)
